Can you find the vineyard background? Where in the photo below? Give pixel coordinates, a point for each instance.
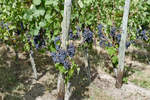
(21, 22)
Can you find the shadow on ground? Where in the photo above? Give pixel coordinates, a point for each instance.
(142, 53)
(34, 92)
(17, 76)
(81, 81)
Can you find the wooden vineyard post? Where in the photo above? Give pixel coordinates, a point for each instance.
(65, 30)
(33, 64)
(122, 46)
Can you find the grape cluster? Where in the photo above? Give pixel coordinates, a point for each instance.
(39, 41)
(116, 37)
(74, 36)
(113, 32)
(128, 44)
(71, 50)
(103, 39)
(100, 33)
(78, 31)
(3, 25)
(71, 36)
(87, 35)
(20, 28)
(60, 57)
(141, 34)
(102, 42)
(105, 43)
(18, 32)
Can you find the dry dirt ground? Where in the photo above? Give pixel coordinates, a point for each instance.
(17, 81)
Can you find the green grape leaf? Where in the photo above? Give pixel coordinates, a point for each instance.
(36, 2)
(1, 1)
(48, 2)
(114, 59)
(80, 4)
(111, 51)
(48, 15)
(51, 2)
(88, 1)
(148, 2)
(60, 68)
(55, 2)
(110, 22)
(35, 31)
(39, 12)
(42, 24)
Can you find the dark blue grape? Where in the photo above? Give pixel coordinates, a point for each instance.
(2, 24)
(6, 26)
(112, 32)
(66, 65)
(87, 36)
(51, 33)
(109, 44)
(57, 47)
(145, 38)
(78, 28)
(143, 33)
(56, 39)
(42, 43)
(102, 42)
(105, 43)
(118, 38)
(100, 33)
(128, 44)
(37, 46)
(71, 35)
(137, 33)
(55, 57)
(62, 55)
(100, 27)
(55, 42)
(78, 32)
(39, 42)
(18, 32)
(22, 27)
(75, 37)
(71, 50)
(36, 39)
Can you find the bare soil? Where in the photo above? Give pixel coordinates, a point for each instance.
(17, 80)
